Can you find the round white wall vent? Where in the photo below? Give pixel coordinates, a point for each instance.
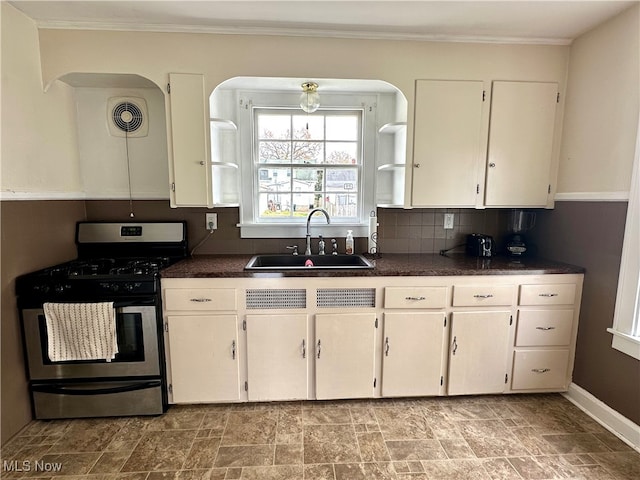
(127, 117)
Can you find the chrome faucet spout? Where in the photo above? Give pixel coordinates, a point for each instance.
(311, 213)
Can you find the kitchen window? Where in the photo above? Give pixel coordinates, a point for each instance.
(292, 162)
(305, 161)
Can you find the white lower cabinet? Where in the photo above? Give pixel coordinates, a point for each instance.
(345, 355)
(277, 357)
(204, 358)
(413, 346)
(272, 339)
(478, 352)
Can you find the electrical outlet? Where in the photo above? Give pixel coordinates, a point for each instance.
(448, 221)
(212, 221)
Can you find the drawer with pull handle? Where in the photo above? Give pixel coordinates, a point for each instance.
(415, 297)
(481, 295)
(544, 327)
(552, 294)
(540, 369)
(210, 299)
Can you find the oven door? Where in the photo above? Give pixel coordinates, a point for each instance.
(138, 346)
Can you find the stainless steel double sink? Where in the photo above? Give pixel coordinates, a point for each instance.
(299, 262)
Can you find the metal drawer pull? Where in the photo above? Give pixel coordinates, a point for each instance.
(415, 298)
(455, 346)
(488, 295)
(540, 370)
(201, 300)
(233, 349)
(319, 349)
(304, 349)
(386, 347)
(545, 328)
(547, 294)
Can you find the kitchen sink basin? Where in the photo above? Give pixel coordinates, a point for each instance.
(299, 262)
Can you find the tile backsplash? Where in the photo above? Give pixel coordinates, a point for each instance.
(421, 230)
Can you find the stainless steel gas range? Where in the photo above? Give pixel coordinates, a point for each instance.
(117, 263)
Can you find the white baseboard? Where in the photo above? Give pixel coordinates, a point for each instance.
(619, 425)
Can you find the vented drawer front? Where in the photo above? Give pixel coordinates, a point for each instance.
(272, 298)
(346, 297)
(415, 297)
(540, 369)
(544, 327)
(482, 296)
(200, 299)
(559, 294)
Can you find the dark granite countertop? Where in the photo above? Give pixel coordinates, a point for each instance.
(386, 265)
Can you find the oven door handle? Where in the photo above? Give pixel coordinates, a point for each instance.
(66, 390)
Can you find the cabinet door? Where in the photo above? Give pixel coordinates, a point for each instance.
(345, 353)
(203, 358)
(520, 143)
(189, 163)
(447, 143)
(277, 353)
(478, 352)
(412, 353)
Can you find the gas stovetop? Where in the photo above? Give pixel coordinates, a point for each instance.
(116, 260)
(99, 267)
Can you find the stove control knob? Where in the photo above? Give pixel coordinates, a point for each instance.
(60, 288)
(129, 287)
(44, 288)
(114, 287)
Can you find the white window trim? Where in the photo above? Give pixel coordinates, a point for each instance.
(367, 102)
(626, 319)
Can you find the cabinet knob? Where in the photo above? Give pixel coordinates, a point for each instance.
(319, 348)
(416, 165)
(233, 350)
(492, 165)
(386, 347)
(545, 328)
(455, 346)
(202, 162)
(304, 349)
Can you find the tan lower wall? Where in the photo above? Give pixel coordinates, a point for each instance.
(35, 234)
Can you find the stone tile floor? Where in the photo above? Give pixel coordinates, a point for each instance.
(483, 437)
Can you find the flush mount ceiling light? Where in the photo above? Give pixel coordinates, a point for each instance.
(309, 100)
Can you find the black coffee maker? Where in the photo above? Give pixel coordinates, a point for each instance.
(520, 221)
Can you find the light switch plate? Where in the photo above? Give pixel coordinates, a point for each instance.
(448, 221)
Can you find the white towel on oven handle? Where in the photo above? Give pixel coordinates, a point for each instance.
(81, 331)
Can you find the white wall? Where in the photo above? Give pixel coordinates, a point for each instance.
(39, 143)
(103, 158)
(221, 57)
(601, 111)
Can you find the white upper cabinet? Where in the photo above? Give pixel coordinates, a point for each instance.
(447, 143)
(454, 129)
(188, 159)
(520, 144)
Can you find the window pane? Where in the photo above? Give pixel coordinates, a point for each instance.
(342, 152)
(274, 152)
(304, 202)
(308, 152)
(274, 179)
(274, 205)
(308, 180)
(342, 205)
(342, 127)
(308, 127)
(277, 127)
(342, 180)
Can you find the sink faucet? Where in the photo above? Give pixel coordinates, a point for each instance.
(321, 210)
